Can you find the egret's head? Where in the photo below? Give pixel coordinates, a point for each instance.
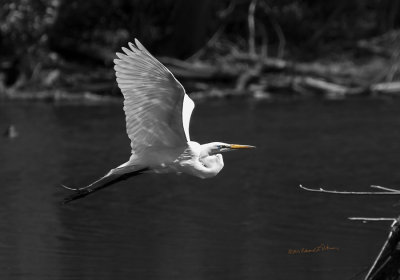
(219, 147)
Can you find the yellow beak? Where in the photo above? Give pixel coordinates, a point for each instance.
(235, 146)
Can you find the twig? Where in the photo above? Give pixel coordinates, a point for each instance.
(384, 188)
(347, 192)
(371, 219)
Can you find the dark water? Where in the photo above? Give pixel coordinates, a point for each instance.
(239, 225)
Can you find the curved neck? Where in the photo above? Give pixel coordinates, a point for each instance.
(206, 150)
(202, 162)
(210, 166)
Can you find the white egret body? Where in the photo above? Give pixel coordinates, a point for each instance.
(158, 114)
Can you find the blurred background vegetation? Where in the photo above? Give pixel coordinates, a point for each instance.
(70, 45)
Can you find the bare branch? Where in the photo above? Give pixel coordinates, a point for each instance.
(384, 188)
(364, 219)
(347, 192)
(388, 246)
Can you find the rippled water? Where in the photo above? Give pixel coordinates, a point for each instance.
(239, 225)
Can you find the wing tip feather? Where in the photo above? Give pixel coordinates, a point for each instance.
(132, 47)
(121, 55)
(127, 51)
(141, 47)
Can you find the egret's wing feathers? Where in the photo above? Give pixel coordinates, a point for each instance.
(154, 100)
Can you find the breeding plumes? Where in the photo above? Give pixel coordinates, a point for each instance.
(158, 112)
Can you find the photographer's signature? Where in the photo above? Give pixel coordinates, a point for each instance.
(321, 248)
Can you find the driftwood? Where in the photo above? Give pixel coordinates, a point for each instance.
(386, 88)
(312, 69)
(387, 264)
(245, 70)
(241, 74)
(383, 191)
(321, 86)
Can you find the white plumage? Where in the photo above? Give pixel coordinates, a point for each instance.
(158, 115)
(153, 101)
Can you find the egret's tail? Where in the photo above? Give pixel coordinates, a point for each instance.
(112, 177)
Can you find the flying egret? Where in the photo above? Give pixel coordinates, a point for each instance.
(157, 113)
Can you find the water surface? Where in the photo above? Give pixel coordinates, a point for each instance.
(238, 225)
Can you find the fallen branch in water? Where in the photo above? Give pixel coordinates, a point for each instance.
(386, 192)
(365, 219)
(386, 264)
(384, 188)
(244, 70)
(240, 74)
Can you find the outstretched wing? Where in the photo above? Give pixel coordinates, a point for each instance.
(156, 106)
(112, 177)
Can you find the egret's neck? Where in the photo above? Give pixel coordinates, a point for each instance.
(199, 161)
(206, 150)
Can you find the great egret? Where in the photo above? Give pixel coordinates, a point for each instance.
(157, 113)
